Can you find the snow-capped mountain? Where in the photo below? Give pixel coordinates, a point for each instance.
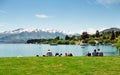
(22, 35)
(20, 30)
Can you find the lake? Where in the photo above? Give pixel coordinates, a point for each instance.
(13, 50)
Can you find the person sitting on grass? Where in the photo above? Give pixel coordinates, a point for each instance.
(99, 53)
(49, 53)
(37, 55)
(68, 54)
(60, 54)
(57, 54)
(94, 53)
(88, 54)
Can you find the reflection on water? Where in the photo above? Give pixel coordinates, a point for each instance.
(8, 50)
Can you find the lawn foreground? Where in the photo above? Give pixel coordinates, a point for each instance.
(60, 65)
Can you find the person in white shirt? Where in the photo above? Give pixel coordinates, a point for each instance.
(99, 53)
(49, 53)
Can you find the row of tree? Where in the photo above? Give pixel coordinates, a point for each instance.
(97, 38)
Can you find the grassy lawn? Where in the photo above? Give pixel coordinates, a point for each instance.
(60, 65)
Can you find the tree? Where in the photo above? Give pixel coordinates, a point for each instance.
(103, 35)
(73, 37)
(57, 38)
(85, 35)
(92, 42)
(97, 34)
(67, 37)
(112, 36)
(100, 41)
(118, 45)
(92, 36)
(117, 33)
(106, 41)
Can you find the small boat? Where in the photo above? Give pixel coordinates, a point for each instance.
(84, 44)
(113, 45)
(53, 44)
(82, 47)
(93, 44)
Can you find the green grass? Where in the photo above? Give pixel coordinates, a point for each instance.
(60, 65)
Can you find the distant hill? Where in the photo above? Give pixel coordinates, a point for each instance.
(22, 35)
(110, 30)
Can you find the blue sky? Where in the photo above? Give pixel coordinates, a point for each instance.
(66, 15)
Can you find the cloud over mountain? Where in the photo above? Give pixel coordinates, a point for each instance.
(41, 16)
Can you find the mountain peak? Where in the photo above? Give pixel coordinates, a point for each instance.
(111, 29)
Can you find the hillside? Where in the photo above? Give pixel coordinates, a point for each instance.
(110, 30)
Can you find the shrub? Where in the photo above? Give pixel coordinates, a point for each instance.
(107, 41)
(71, 42)
(92, 42)
(100, 41)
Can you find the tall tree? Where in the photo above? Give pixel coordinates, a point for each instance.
(97, 34)
(85, 35)
(112, 36)
(57, 38)
(67, 37)
(73, 37)
(117, 33)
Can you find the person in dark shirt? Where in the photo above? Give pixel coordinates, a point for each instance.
(88, 54)
(94, 53)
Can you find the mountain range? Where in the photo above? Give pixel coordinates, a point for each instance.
(22, 35)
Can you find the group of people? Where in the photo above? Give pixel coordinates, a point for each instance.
(49, 53)
(95, 53)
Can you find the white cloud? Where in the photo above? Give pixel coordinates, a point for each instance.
(108, 2)
(41, 16)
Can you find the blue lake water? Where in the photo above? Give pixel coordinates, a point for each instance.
(13, 50)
